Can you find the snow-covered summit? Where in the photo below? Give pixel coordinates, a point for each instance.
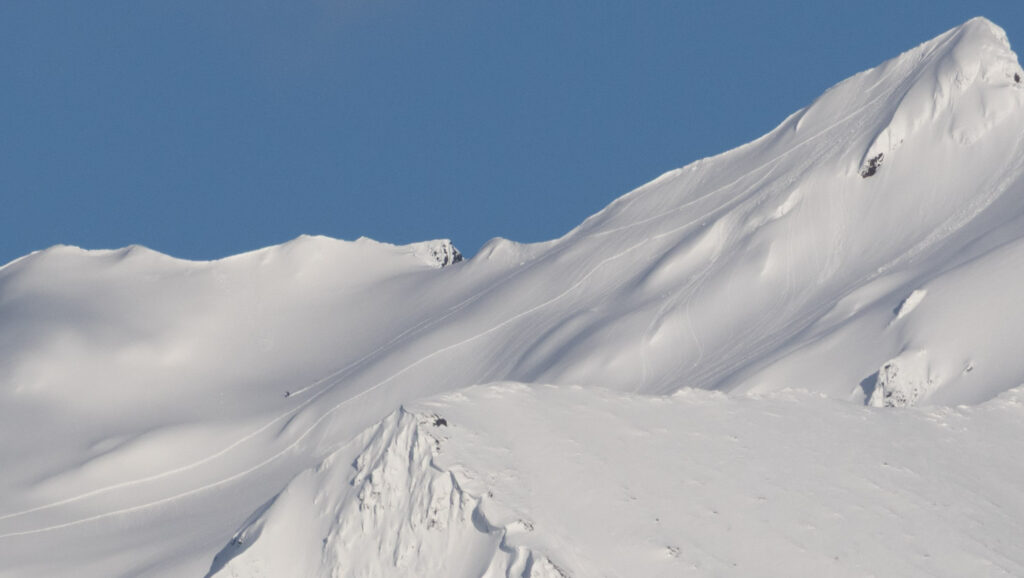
(766, 230)
(867, 250)
(960, 82)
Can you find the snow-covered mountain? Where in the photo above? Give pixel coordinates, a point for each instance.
(322, 407)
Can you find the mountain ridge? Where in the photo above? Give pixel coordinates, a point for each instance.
(201, 389)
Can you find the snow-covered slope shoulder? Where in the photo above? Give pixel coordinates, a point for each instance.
(612, 484)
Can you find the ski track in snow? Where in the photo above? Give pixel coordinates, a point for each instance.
(331, 380)
(318, 421)
(772, 161)
(686, 292)
(771, 164)
(947, 228)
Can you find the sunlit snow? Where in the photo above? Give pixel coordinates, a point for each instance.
(800, 357)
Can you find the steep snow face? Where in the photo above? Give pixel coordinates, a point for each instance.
(420, 521)
(174, 398)
(750, 260)
(389, 511)
(956, 86)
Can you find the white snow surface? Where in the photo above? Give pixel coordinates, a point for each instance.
(694, 484)
(714, 343)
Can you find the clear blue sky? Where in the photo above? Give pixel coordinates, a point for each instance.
(206, 128)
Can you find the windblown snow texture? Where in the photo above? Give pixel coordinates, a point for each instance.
(798, 356)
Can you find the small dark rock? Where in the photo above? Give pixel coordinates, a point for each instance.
(1016, 77)
(440, 421)
(873, 165)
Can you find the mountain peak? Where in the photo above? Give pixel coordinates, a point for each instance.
(978, 43)
(985, 30)
(962, 83)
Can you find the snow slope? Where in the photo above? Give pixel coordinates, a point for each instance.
(790, 484)
(867, 250)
